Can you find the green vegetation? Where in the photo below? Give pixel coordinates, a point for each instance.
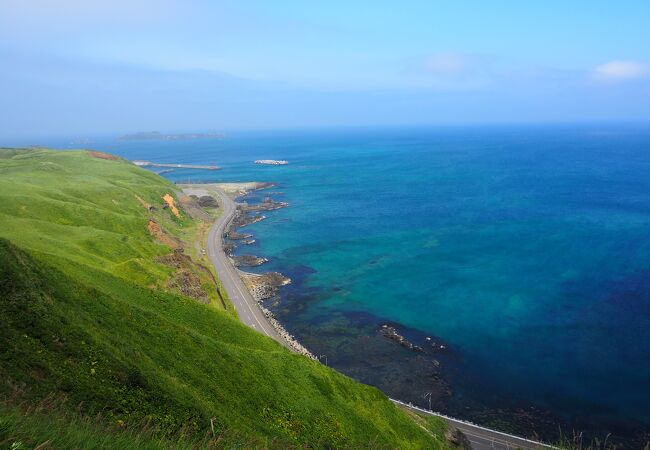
(92, 211)
(99, 350)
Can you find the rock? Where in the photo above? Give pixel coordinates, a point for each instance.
(284, 334)
(390, 332)
(248, 260)
(208, 201)
(234, 235)
(267, 205)
(241, 220)
(229, 248)
(266, 285)
(457, 438)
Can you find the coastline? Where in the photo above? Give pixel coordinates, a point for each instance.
(223, 233)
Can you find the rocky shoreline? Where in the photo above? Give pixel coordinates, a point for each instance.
(242, 219)
(425, 350)
(235, 236)
(400, 361)
(264, 286)
(261, 286)
(288, 337)
(391, 333)
(268, 204)
(248, 260)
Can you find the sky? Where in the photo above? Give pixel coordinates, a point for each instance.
(82, 67)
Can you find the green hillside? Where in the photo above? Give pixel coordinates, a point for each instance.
(102, 346)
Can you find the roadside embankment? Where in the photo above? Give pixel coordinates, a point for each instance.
(246, 290)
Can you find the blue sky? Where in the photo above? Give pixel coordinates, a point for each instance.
(75, 67)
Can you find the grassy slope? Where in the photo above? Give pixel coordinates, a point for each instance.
(84, 318)
(88, 210)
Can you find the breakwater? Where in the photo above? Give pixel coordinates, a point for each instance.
(176, 166)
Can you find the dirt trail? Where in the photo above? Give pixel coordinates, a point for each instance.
(142, 202)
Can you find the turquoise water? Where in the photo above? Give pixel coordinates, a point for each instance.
(525, 249)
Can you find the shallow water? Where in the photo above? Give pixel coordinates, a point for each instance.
(525, 249)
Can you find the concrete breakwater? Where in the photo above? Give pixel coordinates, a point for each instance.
(141, 163)
(288, 337)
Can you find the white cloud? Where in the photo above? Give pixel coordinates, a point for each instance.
(615, 71)
(448, 64)
(450, 71)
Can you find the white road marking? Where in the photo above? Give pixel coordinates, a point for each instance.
(216, 252)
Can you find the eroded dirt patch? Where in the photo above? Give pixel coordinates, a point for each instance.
(172, 204)
(102, 155)
(189, 284)
(185, 278)
(161, 236)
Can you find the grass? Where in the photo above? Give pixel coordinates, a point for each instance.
(89, 210)
(42, 428)
(87, 318)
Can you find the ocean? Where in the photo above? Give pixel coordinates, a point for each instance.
(517, 257)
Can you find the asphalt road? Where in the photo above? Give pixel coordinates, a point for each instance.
(483, 438)
(247, 308)
(251, 314)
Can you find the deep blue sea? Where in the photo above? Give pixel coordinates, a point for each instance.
(524, 251)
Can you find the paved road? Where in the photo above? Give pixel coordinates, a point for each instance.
(251, 314)
(483, 438)
(247, 308)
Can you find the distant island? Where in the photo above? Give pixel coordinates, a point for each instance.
(157, 136)
(272, 162)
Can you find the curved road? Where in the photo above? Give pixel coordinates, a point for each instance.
(250, 313)
(482, 438)
(247, 308)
